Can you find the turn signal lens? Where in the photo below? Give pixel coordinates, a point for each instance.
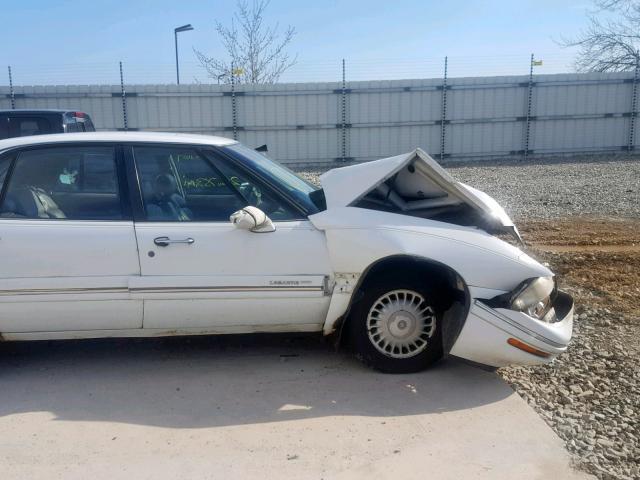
(527, 348)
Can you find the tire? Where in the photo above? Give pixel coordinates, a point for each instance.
(391, 320)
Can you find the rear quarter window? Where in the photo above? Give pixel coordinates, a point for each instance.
(88, 125)
(78, 122)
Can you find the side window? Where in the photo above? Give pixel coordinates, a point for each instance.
(5, 163)
(179, 185)
(75, 183)
(25, 126)
(4, 127)
(199, 178)
(253, 193)
(87, 125)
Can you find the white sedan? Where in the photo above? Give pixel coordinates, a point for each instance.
(135, 234)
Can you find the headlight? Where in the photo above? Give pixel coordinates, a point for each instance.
(533, 297)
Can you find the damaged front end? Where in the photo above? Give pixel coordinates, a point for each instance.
(530, 325)
(513, 312)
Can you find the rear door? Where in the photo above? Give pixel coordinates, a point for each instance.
(67, 243)
(199, 272)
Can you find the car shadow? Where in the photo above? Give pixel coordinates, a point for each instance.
(192, 382)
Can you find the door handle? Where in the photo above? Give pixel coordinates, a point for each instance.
(166, 241)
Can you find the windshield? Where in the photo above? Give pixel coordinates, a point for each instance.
(296, 187)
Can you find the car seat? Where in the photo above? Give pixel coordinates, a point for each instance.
(167, 204)
(31, 202)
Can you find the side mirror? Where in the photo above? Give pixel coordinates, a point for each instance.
(252, 219)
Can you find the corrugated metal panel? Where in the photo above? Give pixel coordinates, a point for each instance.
(302, 123)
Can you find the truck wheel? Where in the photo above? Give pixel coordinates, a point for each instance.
(396, 327)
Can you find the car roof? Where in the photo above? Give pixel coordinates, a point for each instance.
(38, 110)
(148, 137)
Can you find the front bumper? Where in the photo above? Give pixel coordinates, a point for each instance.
(488, 335)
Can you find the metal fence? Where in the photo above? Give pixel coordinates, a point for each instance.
(320, 124)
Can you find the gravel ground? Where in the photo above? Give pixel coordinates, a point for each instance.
(590, 395)
(555, 189)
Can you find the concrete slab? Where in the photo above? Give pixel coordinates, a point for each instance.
(268, 407)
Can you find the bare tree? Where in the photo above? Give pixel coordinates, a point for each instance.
(255, 53)
(611, 41)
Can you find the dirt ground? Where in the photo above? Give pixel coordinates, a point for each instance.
(598, 256)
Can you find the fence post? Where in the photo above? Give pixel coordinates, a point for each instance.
(634, 110)
(11, 92)
(124, 99)
(234, 108)
(443, 113)
(527, 127)
(343, 150)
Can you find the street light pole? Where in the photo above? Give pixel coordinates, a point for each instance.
(183, 28)
(175, 35)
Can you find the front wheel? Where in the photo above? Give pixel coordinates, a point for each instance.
(395, 328)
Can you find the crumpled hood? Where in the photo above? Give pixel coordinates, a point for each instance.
(412, 182)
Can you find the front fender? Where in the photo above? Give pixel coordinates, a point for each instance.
(357, 238)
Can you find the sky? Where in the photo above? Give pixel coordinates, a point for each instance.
(73, 41)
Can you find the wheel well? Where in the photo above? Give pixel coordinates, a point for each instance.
(453, 294)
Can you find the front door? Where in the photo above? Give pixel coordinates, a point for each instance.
(67, 243)
(199, 273)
